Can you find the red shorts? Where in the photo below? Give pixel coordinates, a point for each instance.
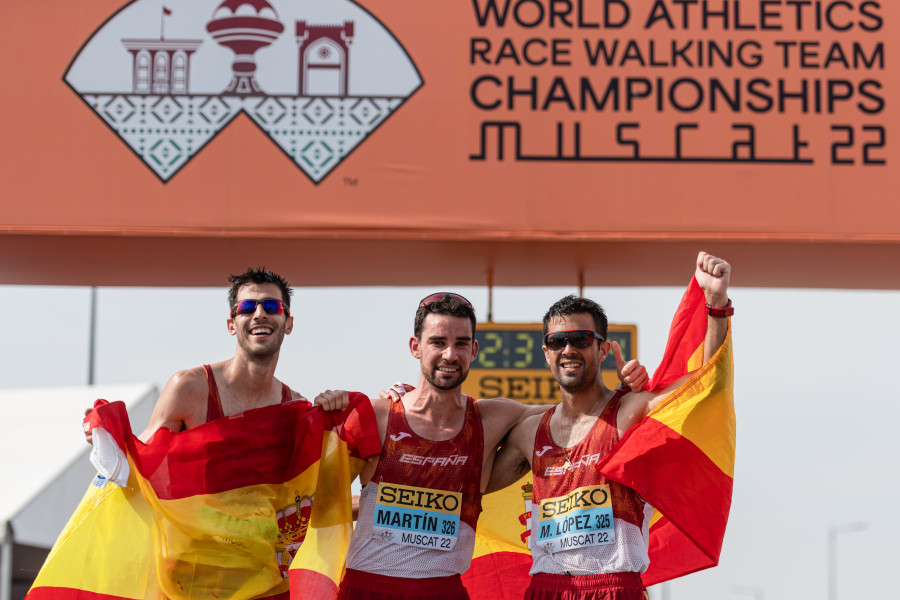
(611, 586)
(359, 585)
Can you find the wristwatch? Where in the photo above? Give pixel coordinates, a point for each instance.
(720, 312)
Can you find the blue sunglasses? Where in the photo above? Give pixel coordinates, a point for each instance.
(270, 305)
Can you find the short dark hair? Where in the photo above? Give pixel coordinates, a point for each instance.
(448, 305)
(574, 305)
(258, 276)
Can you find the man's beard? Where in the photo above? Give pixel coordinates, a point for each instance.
(575, 383)
(268, 350)
(444, 383)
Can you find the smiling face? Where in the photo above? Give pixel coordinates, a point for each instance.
(259, 334)
(445, 349)
(575, 369)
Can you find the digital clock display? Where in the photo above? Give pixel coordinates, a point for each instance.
(518, 346)
(511, 363)
(509, 349)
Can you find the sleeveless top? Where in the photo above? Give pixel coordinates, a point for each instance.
(624, 541)
(400, 532)
(214, 402)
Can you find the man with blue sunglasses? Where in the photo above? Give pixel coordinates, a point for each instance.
(260, 317)
(234, 496)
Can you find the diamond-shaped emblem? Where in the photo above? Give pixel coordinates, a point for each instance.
(270, 111)
(214, 110)
(365, 112)
(317, 154)
(318, 111)
(165, 153)
(118, 110)
(166, 110)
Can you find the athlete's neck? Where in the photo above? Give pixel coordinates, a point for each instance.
(251, 380)
(435, 414)
(583, 402)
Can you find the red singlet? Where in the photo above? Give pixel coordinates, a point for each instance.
(214, 402)
(383, 545)
(624, 547)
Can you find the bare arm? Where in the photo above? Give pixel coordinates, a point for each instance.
(513, 459)
(382, 408)
(713, 275)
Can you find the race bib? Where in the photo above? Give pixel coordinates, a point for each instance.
(420, 517)
(579, 519)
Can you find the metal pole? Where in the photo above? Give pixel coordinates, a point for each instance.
(92, 340)
(490, 287)
(833, 532)
(6, 562)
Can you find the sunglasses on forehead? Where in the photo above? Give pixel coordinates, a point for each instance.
(270, 305)
(438, 296)
(578, 338)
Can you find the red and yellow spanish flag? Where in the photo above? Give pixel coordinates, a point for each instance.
(215, 511)
(680, 458)
(319, 565)
(501, 560)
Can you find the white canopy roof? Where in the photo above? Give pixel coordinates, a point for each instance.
(45, 467)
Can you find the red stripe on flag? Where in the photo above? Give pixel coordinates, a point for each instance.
(682, 557)
(252, 448)
(698, 498)
(61, 593)
(498, 576)
(686, 334)
(306, 583)
(357, 426)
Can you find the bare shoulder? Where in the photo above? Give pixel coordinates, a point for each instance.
(498, 417)
(181, 404)
(499, 407)
(189, 382)
(507, 412)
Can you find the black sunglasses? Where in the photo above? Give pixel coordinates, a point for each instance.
(438, 296)
(270, 305)
(578, 338)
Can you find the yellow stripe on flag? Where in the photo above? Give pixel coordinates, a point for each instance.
(504, 530)
(702, 409)
(109, 522)
(327, 540)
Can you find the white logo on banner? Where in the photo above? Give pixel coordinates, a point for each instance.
(316, 77)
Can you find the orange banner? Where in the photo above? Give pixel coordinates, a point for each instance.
(526, 121)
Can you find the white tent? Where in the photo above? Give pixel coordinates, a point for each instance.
(46, 470)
